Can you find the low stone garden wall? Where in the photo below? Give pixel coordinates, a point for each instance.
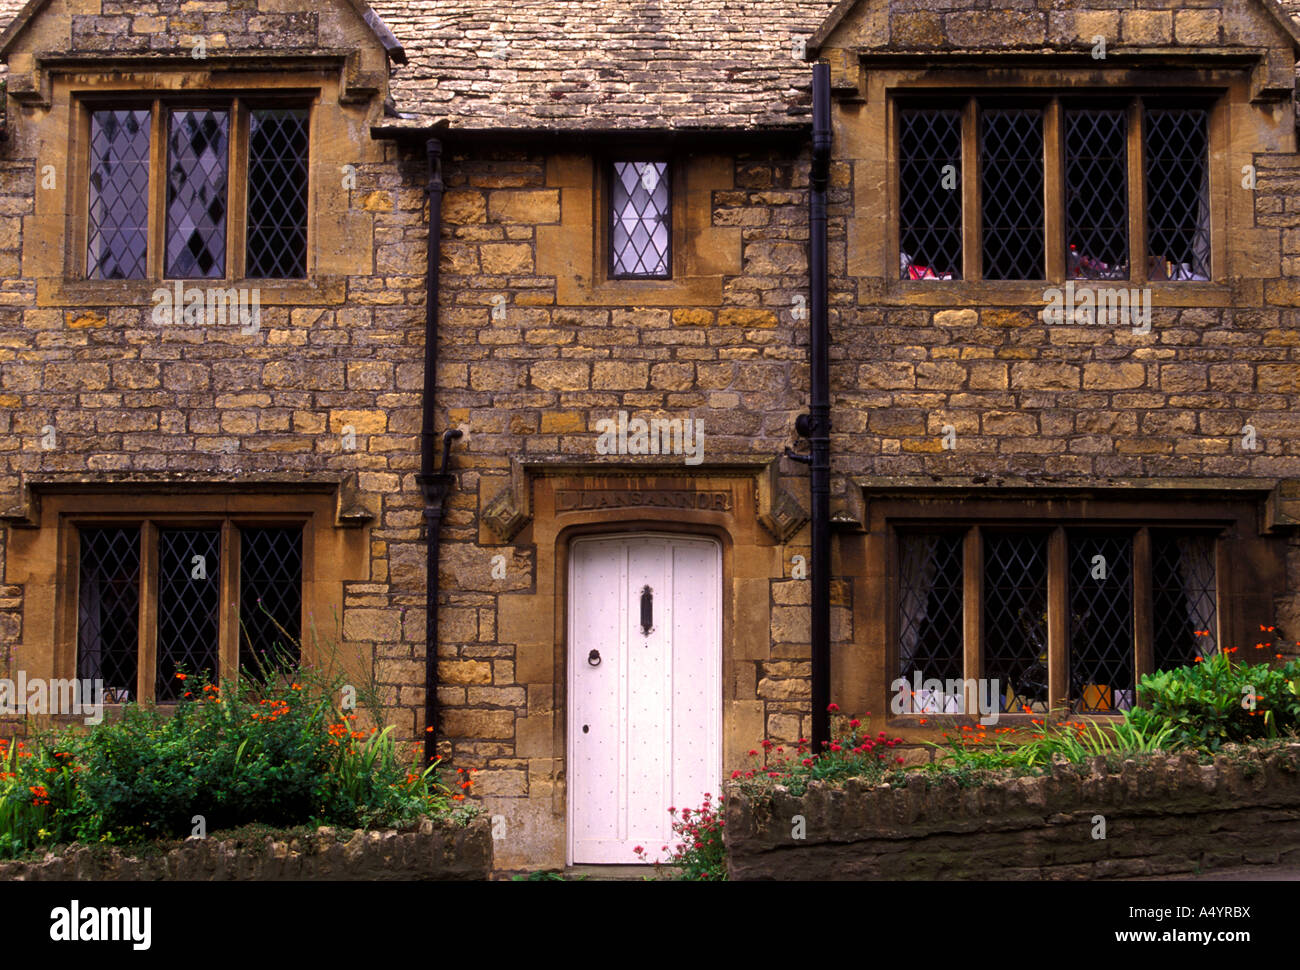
(1158, 816)
(433, 852)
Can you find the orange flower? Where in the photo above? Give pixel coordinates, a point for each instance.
(180, 676)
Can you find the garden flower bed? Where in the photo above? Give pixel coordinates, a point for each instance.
(290, 754)
(1206, 774)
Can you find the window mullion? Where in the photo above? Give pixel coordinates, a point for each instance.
(157, 196)
(228, 624)
(973, 613)
(972, 240)
(1143, 612)
(146, 675)
(1054, 189)
(237, 193)
(1137, 208)
(1058, 647)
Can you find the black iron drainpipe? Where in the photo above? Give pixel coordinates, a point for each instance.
(435, 485)
(817, 426)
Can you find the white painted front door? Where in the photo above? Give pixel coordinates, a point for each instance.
(644, 700)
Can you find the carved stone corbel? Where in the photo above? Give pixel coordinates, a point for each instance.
(1282, 508)
(779, 512)
(510, 509)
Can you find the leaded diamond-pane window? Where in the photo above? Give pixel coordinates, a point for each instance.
(930, 591)
(1082, 172)
(640, 221)
(929, 185)
(270, 599)
(108, 610)
(1096, 193)
(189, 593)
(197, 159)
(1178, 193)
(1184, 594)
(1015, 618)
(1069, 614)
(1011, 155)
(155, 598)
(277, 194)
(1101, 622)
(203, 156)
(118, 227)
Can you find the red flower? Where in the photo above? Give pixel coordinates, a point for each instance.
(855, 723)
(832, 708)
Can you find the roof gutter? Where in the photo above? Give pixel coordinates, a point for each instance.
(435, 485)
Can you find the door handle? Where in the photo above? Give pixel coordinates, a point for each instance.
(647, 611)
(593, 658)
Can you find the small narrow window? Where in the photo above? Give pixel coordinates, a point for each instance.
(929, 181)
(1015, 619)
(1178, 193)
(1011, 152)
(639, 221)
(277, 194)
(118, 230)
(1101, 622)
(1096, 193)
(189, 593)
(1183, 590)
(270, 600)
(930, 631)
(108, 610)
(197, 161)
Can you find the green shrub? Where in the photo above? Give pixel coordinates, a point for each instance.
(1217, 700)
(276, 752)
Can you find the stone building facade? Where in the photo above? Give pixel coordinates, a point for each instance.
(984, 445)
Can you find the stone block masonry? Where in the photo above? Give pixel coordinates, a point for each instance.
(1170, 814)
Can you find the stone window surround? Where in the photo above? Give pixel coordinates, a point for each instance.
(873, 255)
(576, 252)
(315, 84)
(1053, 104)
(44, 560)
(1248, 563)
(239, 106)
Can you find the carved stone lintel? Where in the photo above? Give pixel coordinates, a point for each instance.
(510, 509)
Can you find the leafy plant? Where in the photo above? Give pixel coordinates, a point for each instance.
(1217, 700)
(274, 751)
(698, 852)
(853, 752)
